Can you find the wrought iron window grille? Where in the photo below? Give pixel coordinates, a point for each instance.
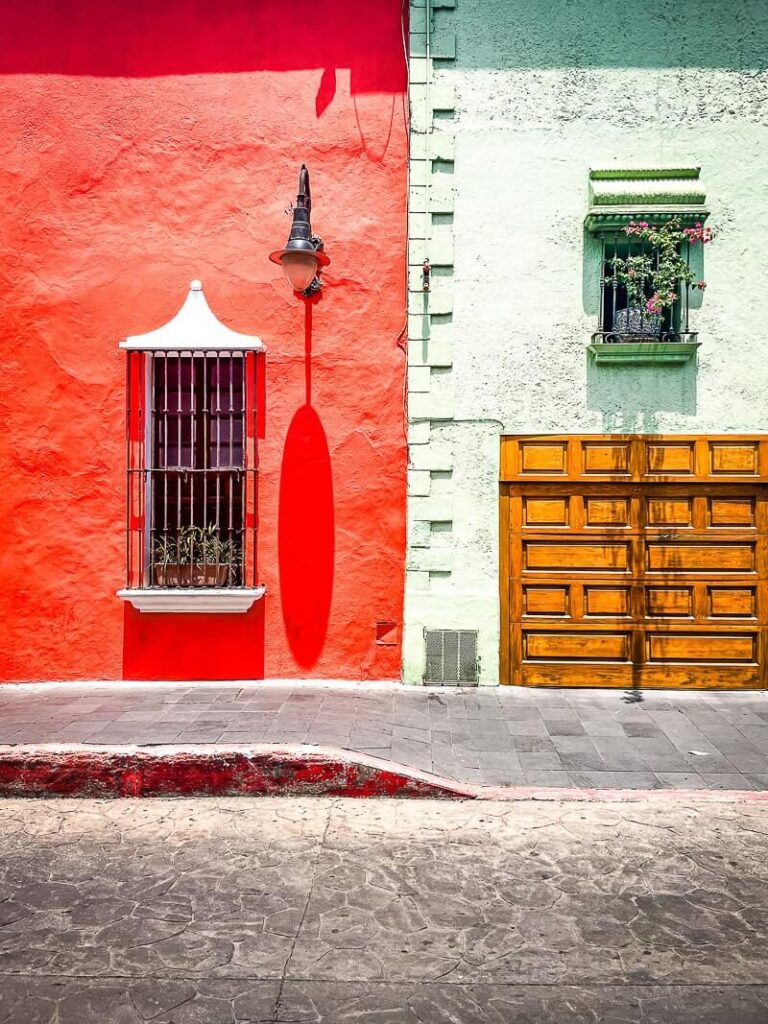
(192, 472)
(619, 320)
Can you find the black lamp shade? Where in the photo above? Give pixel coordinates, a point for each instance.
(301, 257)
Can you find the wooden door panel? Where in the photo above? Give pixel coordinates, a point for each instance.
(711, 558)
(540, 556)
(635, 560)
(675, 512)
(677, 458)
(639, 457)
(605, 511)
(732, 602)
(544, 457)
(608, 602)
(734, 459)
(609, 675)
(572, 646)
(731, 511)
(669, 602)
(681, 647)
(538, 512)
(543, 600)
(698, 677)
(602, 457)
(630, 677)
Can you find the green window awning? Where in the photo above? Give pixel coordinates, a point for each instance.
(618, 196)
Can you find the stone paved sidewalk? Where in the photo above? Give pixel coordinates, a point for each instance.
(497, 736)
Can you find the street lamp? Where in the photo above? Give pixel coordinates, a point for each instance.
(303, 258)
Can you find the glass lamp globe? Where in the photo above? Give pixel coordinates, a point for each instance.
(299, 268)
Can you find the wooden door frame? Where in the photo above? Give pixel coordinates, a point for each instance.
(505, 653)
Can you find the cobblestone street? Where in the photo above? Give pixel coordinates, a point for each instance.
(382, 912)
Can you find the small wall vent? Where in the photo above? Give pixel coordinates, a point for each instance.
(451, 656)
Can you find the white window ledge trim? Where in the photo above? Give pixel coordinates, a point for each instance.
(233, 600)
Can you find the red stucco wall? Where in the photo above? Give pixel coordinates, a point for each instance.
(143, 145)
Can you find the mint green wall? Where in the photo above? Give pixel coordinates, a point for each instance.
(543, 91)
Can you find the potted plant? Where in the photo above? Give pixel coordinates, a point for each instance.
(662, 271)
(194, 557)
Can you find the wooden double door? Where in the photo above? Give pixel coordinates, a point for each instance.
(634, 560)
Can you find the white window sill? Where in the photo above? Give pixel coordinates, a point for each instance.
(200, 599)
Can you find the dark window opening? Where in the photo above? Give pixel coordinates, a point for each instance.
(624, 317)
(191, 467)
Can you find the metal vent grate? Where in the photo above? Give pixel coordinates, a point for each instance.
(451, 656)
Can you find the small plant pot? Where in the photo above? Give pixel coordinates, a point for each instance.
(191, 575)
(637, 323)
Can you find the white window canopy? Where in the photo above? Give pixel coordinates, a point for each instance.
(194, 328)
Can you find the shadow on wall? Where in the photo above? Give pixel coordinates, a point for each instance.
(90, 37)
(631, 398)
(604, 34)
(306, 523)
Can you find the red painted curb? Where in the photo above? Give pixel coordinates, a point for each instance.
(210, 770)
(86, 770)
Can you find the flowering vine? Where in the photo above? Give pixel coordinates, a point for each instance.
(663, 270)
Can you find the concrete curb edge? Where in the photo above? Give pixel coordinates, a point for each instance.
(101, 770)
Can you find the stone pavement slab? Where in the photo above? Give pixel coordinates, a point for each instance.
(374, 912)
(503, 736)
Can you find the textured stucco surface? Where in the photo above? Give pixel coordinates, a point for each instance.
(543, 92)
(320, 911)
(144, 146)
